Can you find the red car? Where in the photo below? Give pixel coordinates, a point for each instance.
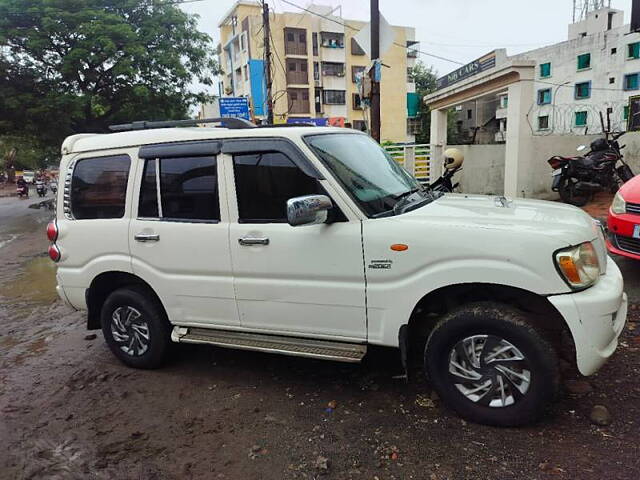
(624, 221)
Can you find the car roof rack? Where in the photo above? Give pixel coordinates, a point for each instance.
(279, 125)
(229, 122)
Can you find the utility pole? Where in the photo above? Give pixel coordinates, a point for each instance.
(375, 85)
(267, 59)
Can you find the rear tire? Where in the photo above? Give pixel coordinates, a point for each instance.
(569, 195)
(135, 327)
(490, 366)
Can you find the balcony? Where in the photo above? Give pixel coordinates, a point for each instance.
(331, 40)
(412, 48)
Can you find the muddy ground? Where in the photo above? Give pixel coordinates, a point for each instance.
(69, 409)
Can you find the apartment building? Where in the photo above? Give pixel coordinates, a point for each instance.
(315, 62)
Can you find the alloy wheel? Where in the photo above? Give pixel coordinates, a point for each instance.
(130, 331)
(489, 370)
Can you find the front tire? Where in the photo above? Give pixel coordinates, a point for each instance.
(490, 366)
(135, 327)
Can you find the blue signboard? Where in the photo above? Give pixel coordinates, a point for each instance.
(237, 107)
(319, 122)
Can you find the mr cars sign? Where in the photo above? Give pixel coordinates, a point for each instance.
(469, 70)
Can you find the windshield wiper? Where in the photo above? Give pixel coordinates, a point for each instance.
(403, 199)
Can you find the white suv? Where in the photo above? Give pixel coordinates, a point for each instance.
(313, 242)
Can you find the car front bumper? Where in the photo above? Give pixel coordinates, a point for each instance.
(596, 317)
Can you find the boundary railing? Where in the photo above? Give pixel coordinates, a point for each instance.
(415, 159)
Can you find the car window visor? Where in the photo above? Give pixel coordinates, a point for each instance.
(182, 149)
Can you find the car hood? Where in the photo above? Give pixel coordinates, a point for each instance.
(536, 217)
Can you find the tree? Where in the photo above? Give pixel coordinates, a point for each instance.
(425, 79)
(70, 66)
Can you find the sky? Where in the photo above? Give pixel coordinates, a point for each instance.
(460, 30)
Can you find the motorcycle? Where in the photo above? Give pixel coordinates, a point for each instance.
(41, 188)
(23, 191)
(453, 160)
(602, 168)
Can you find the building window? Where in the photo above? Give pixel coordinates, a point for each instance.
(625, 113)
(297, 71)
(332, 40)
(295, 41)
(469, 114)
(504, 101)
(334, 97)
(612, 80)
(333, 69)
(414, 126)
(545, 70)
(614, 50)
(298, 100)
(355, 48)
(314, 43)
(633, 50)
(543, 122)
(584, 61)
(355, 71)
(316, 71)
(356, 102)
(581, 119)
(544, 96)
(583, 90)
(631, 81)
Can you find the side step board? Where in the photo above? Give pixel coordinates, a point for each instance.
(296, 346)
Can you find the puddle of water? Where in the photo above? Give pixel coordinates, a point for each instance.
(6, 239)
(37, 283)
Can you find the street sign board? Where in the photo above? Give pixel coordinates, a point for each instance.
(469, 70)
(237, 107)
(387, 35)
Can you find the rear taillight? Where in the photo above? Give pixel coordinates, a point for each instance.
(52, 231)
(54, 252)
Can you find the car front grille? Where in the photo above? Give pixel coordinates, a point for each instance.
(627, 244)
(633, 208)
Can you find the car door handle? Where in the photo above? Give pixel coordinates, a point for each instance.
(147, 237)
(247, 241)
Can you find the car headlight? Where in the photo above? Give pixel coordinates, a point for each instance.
(618, 205)
(579, 265)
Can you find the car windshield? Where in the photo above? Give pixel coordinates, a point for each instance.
(372, 178)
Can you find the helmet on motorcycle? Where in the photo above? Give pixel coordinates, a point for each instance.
(599, 144)
(453, 158)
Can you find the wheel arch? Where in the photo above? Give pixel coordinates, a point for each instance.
(541, 313)
(106, 283)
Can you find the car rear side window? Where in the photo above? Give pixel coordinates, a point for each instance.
(99, 187)
(264, 183)
(188, 189)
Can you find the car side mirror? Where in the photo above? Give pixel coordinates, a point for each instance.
(581, 148)
(308, 210)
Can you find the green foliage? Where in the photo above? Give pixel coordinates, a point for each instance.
(70, 66)
(31, 154)
(425, 79)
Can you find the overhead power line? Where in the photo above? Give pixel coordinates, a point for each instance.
(346, 25)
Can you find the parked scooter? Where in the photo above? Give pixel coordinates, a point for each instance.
(453, 160)
(41, 188)
(603, 168)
